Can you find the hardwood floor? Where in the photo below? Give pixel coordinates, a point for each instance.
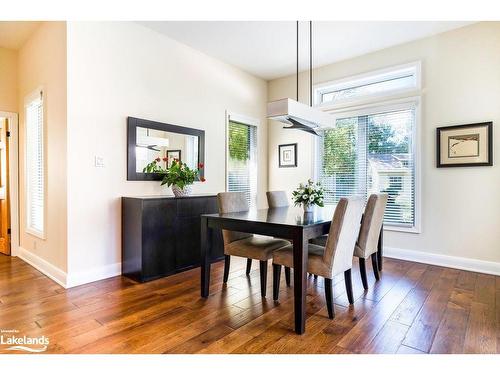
(413, 309)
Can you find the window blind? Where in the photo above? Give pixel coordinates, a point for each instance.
(242, 160)
(35, 166)
(372, 153)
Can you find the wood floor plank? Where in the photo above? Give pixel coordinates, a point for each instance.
(202, 340)
(421, 334)
(403, 349)
(368, 327)
(414, 308)
(481, 335)
(406, 312)
(481, 329)
(327, 338)
(450, 336)
(389, 339)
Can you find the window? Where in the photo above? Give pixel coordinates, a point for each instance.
(35, 187)
(242, 160)
(372, 148)
(384, 82)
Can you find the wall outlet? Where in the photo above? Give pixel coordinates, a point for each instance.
(99, 161)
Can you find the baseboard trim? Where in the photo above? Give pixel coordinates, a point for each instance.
(68, 280)
(48, 269)
(467, 264)
(95, 274)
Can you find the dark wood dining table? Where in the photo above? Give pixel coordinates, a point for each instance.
(284, 222)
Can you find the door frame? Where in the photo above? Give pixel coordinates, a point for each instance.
(13, 128)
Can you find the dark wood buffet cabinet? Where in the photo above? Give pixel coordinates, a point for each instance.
(161, 235)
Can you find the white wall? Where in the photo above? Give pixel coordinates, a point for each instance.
(120, 69)
(42, 63)
(461, 84)
(8, 80)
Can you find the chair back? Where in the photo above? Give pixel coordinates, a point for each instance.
(232, 202)
(372, 223)
(277, 199)
(343, 234)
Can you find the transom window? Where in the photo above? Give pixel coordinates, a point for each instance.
(384, 82)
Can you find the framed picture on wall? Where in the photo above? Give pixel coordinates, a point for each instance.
(465, 145)
(173, 154)
(287, 155)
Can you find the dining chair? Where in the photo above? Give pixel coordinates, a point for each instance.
(332, 259)
(276, 199)
(366, 245)
(245, 245)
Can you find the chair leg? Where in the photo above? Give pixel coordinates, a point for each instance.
(287, 276)
(348, 286)
(329, 298)
(375, 266)
(362, 271)
(227, 263)
(249, 266)
(276, 281)
(263, 277)
(380, 248)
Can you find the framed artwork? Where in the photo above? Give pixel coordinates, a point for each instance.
(465, 145)
(173, 154)
(287, 155)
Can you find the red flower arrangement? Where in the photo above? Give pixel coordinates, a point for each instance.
(178, 173)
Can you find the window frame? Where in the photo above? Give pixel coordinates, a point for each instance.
(368, 78)
(373, 106)
(245, 120)
(34, 95)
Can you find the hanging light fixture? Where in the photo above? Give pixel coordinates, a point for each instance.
(295, 114)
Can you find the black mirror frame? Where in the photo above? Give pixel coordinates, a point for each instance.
(133, 123)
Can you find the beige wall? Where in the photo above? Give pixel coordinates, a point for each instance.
(8, 80)
(42, 63)
(461, 84)
(121, 69)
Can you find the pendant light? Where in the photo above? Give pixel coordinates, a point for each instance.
(295, 114)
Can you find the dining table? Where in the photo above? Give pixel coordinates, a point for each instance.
(290, 223)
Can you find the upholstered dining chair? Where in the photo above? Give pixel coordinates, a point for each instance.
(245, 245)
(276, 199)
(332, 259)
(366, 245)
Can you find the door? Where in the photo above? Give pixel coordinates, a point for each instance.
(4, 188)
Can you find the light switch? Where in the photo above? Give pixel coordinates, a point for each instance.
(99, 161)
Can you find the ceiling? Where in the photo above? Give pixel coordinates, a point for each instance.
(13, 34)
(267, 49)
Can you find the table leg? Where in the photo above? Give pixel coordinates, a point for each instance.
(380, 248)
(300, 280)
(206, 242)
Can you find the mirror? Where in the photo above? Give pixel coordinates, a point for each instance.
(148, 140)
(152, 144)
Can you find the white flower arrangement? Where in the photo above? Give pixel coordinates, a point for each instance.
(309, 194)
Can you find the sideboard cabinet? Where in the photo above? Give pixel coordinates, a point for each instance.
(161, 235)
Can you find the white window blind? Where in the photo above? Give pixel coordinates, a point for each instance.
(35, 202)
(372, 153)
(242, 160)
